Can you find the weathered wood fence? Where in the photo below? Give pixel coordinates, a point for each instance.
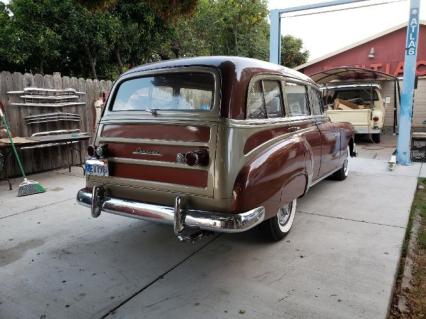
(47, 158)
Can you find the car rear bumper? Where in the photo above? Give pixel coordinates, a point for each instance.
(367, 130)
(177, 216)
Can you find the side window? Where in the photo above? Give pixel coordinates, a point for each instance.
(265, 100)
(273, 98)
(297, 99)
(255, 102)
(315, 101)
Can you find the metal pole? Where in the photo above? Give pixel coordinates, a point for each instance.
(275, 36)
(275, 27)
(407, 96)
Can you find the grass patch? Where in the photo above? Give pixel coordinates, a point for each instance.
(416, 296)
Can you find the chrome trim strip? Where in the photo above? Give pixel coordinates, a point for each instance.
(149, 141)
(155, 163)
(205, 220)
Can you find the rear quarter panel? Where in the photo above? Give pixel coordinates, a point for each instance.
(273, 175)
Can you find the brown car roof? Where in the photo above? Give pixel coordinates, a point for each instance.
(236, 73)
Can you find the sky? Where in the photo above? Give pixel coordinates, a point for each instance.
(328, 32)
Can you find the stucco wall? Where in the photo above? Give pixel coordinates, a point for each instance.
(389, 55)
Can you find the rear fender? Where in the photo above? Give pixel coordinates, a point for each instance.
(272, 177)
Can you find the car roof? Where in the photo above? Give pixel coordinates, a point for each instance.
(221, 62)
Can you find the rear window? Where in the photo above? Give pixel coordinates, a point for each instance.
(359, 96)
(189, 91)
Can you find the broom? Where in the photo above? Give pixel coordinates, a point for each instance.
(27, 187)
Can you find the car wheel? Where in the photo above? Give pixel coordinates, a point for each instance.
(343, 172)
(277, 227)
(376, 137)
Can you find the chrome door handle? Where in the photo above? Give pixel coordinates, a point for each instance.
(294, 128)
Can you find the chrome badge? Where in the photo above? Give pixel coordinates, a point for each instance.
(141, 151)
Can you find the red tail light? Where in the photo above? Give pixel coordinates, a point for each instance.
(97, 151)
(91, 150)
(200, 157)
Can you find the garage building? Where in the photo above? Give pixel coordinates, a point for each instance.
(382, 52)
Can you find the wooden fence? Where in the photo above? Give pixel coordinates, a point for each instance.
(47, 158)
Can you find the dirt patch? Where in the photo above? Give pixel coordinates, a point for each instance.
(409, 299)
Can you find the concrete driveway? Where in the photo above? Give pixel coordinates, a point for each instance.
(339, 261)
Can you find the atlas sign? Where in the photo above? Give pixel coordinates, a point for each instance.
(413, 31)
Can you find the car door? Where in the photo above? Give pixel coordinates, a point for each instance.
(330, 135)
(303, 120)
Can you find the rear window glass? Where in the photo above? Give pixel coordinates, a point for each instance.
(190, 91)
(357, 96)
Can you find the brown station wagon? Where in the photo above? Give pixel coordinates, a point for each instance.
(218, 144)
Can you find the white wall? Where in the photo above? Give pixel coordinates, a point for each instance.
(419, 115)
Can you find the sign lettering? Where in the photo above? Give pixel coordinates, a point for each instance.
(412, 35)
(396, 68)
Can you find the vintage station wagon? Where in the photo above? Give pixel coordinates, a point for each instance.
(218, 144)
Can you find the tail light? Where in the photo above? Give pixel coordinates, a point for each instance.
(97, 151)
(375, 118)
(101, 151)
(199, 157)
(91, 151)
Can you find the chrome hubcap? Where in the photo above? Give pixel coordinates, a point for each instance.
(284, 214)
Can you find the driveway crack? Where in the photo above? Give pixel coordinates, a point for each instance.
(110, 312)
(350, 219)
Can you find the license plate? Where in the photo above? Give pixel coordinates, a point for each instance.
(96, 168)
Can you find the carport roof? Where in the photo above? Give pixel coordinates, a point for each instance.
(347, 73)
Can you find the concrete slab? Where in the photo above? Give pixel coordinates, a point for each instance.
(382, 151)
(382, 199)
(423, 171)
(326, 268)
(57, 262)
(380, 167)
(338, 262)
(60, 184)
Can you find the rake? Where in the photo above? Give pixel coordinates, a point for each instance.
(27, 187)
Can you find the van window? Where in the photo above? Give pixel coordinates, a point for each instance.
(273, 98)
(255, 102)
(296, 99)
(186, 91)
(315, 101)
(265, 100)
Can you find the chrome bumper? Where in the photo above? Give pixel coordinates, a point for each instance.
(366, 130)
(177, 216)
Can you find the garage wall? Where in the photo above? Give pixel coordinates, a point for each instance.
(419, 104)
